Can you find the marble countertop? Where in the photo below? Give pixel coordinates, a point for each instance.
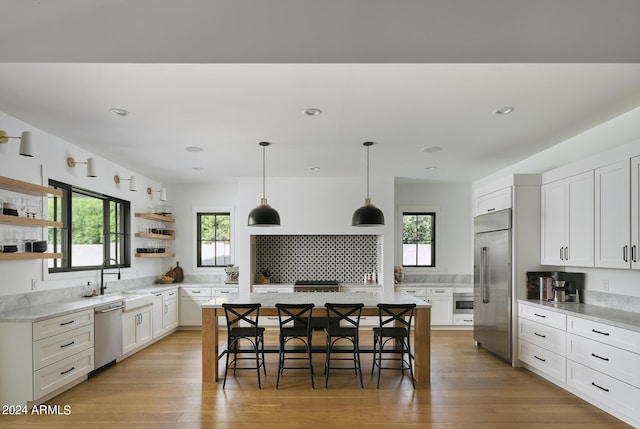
(369, 299)
(621, 319)
(44, 311)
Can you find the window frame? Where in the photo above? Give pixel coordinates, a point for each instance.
(405, 210)
(198, 213)
(66, 264)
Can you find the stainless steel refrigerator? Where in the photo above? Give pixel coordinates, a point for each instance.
(492, 310)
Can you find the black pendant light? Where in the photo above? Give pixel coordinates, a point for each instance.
(367, 215)
(264, 214)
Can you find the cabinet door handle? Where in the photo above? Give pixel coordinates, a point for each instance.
(67, 323)
(566, 253)
(67, 371)
(600, 357)
(67, 345)
(624, 253)
(600, 332)
(539, 358)
(540, 335)
(196, 291)
(634, 256)
(540, 315)
(561, 254)
(599, 387)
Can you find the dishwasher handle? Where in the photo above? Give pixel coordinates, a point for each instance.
(109, 310)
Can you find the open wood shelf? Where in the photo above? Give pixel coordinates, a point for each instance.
(155, 236)
(156, 217)
(19, 186)
(155, 255)
(23, 221)
(25, 256)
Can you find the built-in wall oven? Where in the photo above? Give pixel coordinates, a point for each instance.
(462, 302)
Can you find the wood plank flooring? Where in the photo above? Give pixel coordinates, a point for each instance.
(160, 387)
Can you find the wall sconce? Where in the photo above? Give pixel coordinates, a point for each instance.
(91, 165)
(163, 193)
(26, 149)
(132, 182)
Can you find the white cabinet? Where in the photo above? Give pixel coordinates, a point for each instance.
(635, 212)
(165, 312)
(137, 328)
(612, 211)
(567, 221)
(494, 201)
(441, 300)
(272, 289)
(542, 339)
(192, 298)
(44, 358)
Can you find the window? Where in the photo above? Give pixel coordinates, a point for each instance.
(96, 229)
(214, 239)
(418, 239)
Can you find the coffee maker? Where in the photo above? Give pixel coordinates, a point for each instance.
(571, 288)
(572, 285)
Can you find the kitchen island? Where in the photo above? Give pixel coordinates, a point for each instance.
(421, 344)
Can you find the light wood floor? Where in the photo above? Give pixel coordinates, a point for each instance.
(160, 387)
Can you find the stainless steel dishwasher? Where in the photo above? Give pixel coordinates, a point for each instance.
(108, 333)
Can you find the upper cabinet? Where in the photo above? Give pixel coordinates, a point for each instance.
(567, 221)
(612, 211)
(635, 212)
(494, 201)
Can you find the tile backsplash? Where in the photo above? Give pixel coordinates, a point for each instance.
(346, 258)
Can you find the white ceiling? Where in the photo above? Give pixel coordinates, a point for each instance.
(224, 75)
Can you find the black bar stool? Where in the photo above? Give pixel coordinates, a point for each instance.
(247, 313)
(295, 324)
(395, 325)
(343, 323)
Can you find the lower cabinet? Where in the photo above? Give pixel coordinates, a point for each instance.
(165, 312)
(441, 300)
(42, 359)
(137, 328)
(597, 361)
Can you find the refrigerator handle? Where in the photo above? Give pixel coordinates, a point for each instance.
(483, 274)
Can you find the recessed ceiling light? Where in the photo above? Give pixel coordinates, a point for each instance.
(193, 149)
(504, 110)
(431, 167)
(198, 168)
(314, 168)
(119, 112)
(431, 149)
(312, 111)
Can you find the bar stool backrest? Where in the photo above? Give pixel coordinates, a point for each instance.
(394, 314)
(236, 313)
(349, 314)
(298, 314)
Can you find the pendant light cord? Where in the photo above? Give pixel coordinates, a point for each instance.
(263, 173)
(367, 171)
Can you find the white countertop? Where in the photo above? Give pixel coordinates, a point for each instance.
(369, 299)
(621, 319)
(44, 311)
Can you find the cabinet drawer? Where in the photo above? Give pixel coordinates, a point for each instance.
(463, 319)
(612, 335)
(272, 289)
(613, 393)
(57, 325)
(543, 336)
(544, 316)
(224, 291)
(202, 292)
(617, 363)
(544, 360)
(415, 291)
(439, 291)
(63, 372)
(52, 349)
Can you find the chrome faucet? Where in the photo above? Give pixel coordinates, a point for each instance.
(102, 267)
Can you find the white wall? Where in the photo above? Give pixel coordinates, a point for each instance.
(50, 155)
(454, 232)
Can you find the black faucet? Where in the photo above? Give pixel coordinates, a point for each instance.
(102, 267)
